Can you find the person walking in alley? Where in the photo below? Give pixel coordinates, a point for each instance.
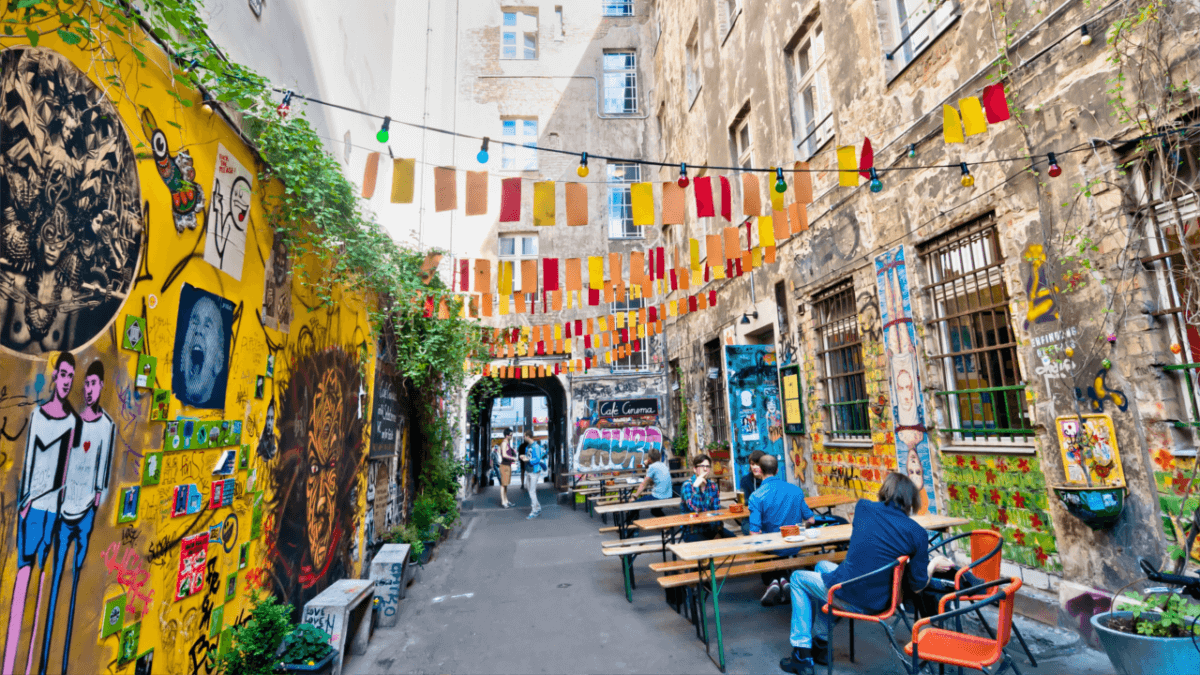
(534, 467)
(657, 481)
(508, 455)
(883, 531)
(774, 504)
(698, 495)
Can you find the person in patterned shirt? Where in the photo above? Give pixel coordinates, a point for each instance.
(700, 495)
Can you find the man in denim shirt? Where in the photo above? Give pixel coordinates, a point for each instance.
(657, 480)
(776, 503)
(535, 462)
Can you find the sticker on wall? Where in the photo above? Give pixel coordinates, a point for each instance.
(259, 387)
(230, 587)
(217, 622)
(160, 405)
(228, 215)
(256, 516)
(193, 555)
(135, 332)
(244, 556)
(178, 174)
(147, 368)
(1088, 445)
(172, 436)
(187, 501)
(130, 637)
(229, 491)
(204, 325)
(270, 365)
(244, 458)
(201, 435)
(130, 497)
(214, 534)
(145, 664)
(226, 464)
(277, 290)
(72, 219)
(152, 468)
(113, 618)
(217, 494)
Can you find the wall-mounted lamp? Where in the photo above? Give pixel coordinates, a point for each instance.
(746, 317)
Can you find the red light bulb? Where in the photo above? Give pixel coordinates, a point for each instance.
(1055, 171)
(684, 182)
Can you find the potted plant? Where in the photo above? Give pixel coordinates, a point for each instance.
(306, 650)
(256, 642)
(1152, 634)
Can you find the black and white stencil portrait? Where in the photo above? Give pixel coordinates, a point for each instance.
(70, 205)
(200, 371)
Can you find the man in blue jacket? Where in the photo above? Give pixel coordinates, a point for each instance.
(774, 504)
(535, 461)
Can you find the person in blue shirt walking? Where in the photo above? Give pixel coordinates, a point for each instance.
(774, 504)
(535, 461)
(883, 531)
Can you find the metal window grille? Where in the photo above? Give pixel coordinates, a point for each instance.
(1164, 216)
(840, 351)
(620, 203)
(984, 399)
(618, 7)
(714, 378)
(638, 359)
(620, 82)
(522, 157)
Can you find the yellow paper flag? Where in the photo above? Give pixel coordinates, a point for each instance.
(952, 129)
(642, 196)
(847, 166)
(543, 203)
(506, 278)
(595, 272)
(694, 247)
(972, 115)
(755, 257)
(776, 200)
(766, 231)
(402, 180)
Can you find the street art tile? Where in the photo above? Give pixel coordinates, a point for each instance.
(133, 337)
(259, 387)
(226, 463)
(147, 369)
(160, 405)
(202, 338)
(71, 228)
(130, 498)
(217, 622)
(270, 372)
(277, 292)
(267, 444)
(244, 458)
(256, 516)
(230, 587)
(113, 618)
(193, 555)
(178, 174)
(187, 500)
(173, 436)
(754, 404)
(908, 406)
(244, 556)
(1089, 451)
(152, 468)
(228, 215)
(131, 636)
(145, 664)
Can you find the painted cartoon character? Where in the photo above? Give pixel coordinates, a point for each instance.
(178, 174)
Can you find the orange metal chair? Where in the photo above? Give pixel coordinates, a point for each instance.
(830, 610)
(932, 644)
(986, 556)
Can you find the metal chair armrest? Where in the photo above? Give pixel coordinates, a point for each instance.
(972, 591)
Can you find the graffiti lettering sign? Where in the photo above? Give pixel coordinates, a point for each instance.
(385, 416)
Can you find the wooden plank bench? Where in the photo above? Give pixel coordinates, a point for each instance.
(750, 568)
(627, 550)
(671, 567)
(609, 530)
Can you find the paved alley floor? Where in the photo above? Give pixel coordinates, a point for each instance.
(509, 595)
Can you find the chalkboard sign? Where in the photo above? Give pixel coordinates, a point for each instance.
(385, 416)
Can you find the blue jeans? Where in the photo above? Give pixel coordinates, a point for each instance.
(808, 595)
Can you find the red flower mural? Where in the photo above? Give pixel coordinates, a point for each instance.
(1018, 500)
(1164, 460)
(1179, 483)
(1023, 465)
(1003, 516)
(1037, 522)
(960, 460)
(953, 490)
(973, 494)
(995, 497)
(974, 464)
(1041, 556)
(990, 477)
(1001, 465)
(1019, 535)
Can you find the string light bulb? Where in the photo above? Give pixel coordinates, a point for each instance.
(285, 107)
(967, 179)
(780, 184)
(876, 184)
(582, 171)
(683, 179)
(483, 153)
(912, 150)
(1055, 170)
(207, 105)
(383, 134)
(1085, 38)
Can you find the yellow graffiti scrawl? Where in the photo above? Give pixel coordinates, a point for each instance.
(1042, 306)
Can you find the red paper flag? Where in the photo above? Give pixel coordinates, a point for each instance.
(712, 299)
(704, 197)
(550, 273)
(994, 103)
(579, 326)
(593, 296)
(867, 160)
(674, 280)
(661, 261)
(691, 303)
(654, 314)
(587, 341)
(464, 275)
(726, 199)
(510, 200)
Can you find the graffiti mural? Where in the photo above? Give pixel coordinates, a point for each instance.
(178, 173)
(277, 287)
(755, 411)
(615, 448)
(1043, 308)
(315, 506)
(71, 222)
(229, 215)
(202, 340)
(908, 406)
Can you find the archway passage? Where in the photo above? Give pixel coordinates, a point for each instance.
(481, 431)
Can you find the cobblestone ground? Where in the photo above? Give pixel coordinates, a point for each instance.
(509, 595)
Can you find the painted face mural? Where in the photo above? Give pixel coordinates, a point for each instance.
(71, 222)
(324, 441)
(202, 338)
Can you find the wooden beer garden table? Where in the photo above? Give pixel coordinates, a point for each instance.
(671, 526)
(704, 553)
(620, 509)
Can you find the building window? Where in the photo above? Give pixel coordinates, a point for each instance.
(812, 107)
(984, 399)
(620, 204)
(714, 377)
(517, 247)
(913, 25)
(519, 39)
(692, 77)
(1166, 213)
(728, 12)
(618, 8)
(840, 353)
(523, 156)
(638, 359)
(620, 82)
(739, 137)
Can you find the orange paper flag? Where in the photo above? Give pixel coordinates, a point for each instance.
(445, 189)
(798, 217)
(637, 267)
(477, 193)
(574, 278)
(614, 267)
(768, 256)
(577, 204)
(733, 243)
(712, 250)
(483, 275)
(369, 175)
(485, 305)
(751, 199)
(529, 276)
(673, 208)
(556, 300)
(781, 226)
(802, 183)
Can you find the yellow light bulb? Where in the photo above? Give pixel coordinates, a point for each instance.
(582, 171)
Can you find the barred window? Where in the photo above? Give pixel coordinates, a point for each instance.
(840, 352)
(714, 378)
(1169, 209)
(984, 400)
(638, 359)
(620, 203)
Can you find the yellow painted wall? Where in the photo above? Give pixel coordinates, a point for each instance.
(311, 481)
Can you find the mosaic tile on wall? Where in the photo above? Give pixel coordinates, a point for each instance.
(1172, 476)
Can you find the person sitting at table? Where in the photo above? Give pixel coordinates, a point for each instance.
(699, 495)
(774, 504)
(750, 482)
(883, 531)
(657, 481)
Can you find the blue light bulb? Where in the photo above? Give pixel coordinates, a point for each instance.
(482, 157)
(876, 184)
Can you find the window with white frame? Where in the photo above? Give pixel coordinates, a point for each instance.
(618, 8)
(517, 247)
(620, 204)
(913, 25)
(620, 82)
(519, 39)
(727, 14)
(523, 155)
(638, 359)
(740, 138)
(812, 107)
(692, 76)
